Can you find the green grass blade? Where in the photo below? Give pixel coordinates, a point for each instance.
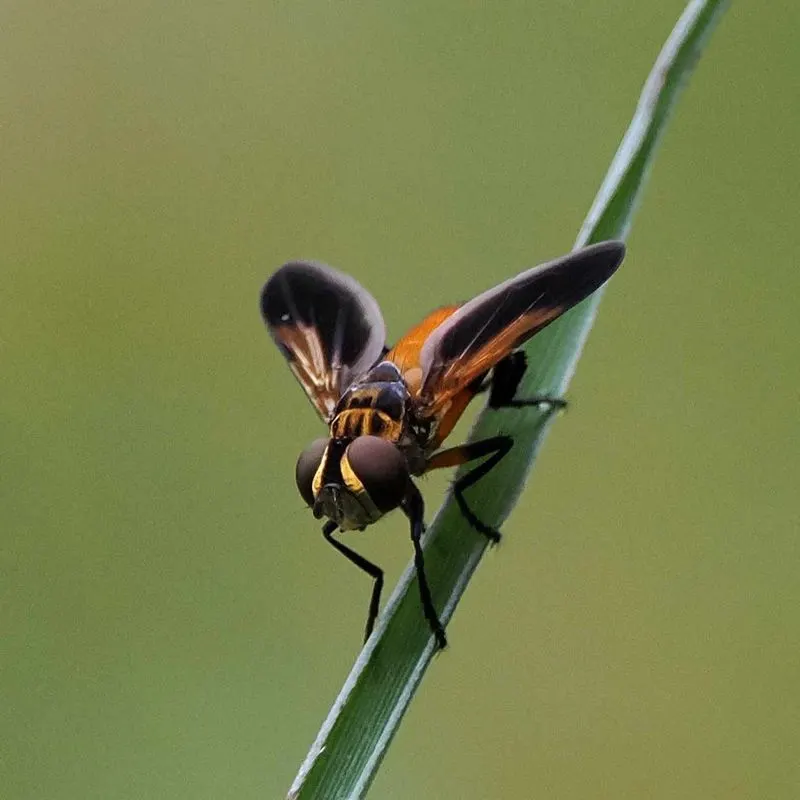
(353, 740)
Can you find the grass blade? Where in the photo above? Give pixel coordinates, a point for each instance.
(353, 740)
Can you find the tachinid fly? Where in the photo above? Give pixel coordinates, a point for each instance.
(390, 409)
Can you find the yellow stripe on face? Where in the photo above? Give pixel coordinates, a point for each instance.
(351, 480)
(356, 488)
(316, 484)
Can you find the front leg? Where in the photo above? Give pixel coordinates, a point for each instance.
(414, 508)
(373, 570)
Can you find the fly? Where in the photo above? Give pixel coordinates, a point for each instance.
(389, 410)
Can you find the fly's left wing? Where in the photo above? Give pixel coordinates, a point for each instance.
(329, 328)
(483, 331)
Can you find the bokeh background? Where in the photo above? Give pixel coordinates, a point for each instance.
(173, 625)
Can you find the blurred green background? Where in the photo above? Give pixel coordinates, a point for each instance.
(173, 625)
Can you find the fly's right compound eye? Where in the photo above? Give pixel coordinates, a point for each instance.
(307, 466)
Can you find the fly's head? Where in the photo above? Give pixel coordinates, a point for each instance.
(352, 482)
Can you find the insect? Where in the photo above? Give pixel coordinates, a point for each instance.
(390, 409)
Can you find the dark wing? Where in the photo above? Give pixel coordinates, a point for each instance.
(328, 327)
(484, 330)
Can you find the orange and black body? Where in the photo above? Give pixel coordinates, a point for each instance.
(389, 410)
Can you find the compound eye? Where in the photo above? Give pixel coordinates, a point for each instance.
(307, 465)
(381, 468)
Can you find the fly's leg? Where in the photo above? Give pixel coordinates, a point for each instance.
(502, 386)
(496, 448)
(505, 381)
(371, 569)
(414, 508)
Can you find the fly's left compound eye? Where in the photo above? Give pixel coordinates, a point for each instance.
(381, 468)
(307, 466)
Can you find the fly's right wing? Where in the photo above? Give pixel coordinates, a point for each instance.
(328, 327)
